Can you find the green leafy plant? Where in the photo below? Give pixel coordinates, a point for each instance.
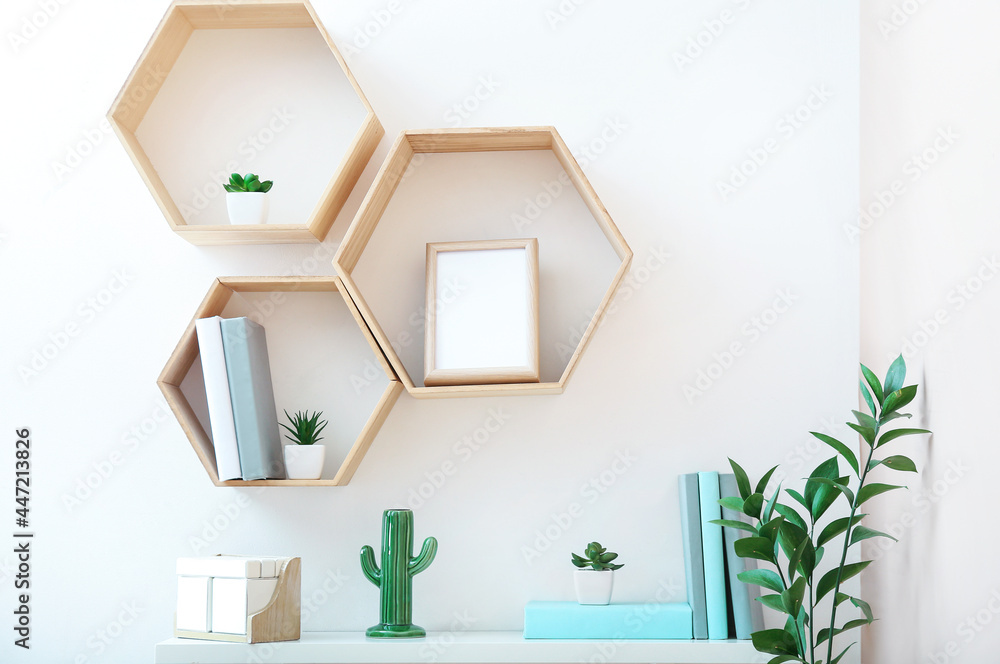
(305, 428)
(247, 183)
(596, 557)
(778, 528)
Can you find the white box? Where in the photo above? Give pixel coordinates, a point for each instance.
(235, 599)
(194, 602)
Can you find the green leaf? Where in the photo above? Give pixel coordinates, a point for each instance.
(865, 608)
(742, 481)
(866, 433)
(799, 498)
(265, 186)
(769, 506)
(790, 537)
(759, 548)
(807, 564)
(829, 469)
(894, 378)
(780, 659)
(873, 383)
(824, 633)
(762, 484)
(732, 503)
(840, 447)
(753, 505)
(231, 189)
(774, 642)
(898, 433)
(772, 602)
(898, 462)
(738, 525)
(899, 398)
(253, 185)
(607, 557)
(865, 420)
(236, 179)
(792, 598)
(829, 580)
(839, 485)
(790, 514)
(862, 533)
(841, 655)
(872, 490)
(826, 494)
(762, 577)
(836, 527)
(771, 528)
(793, 564)
(867, 396)
(889, 417)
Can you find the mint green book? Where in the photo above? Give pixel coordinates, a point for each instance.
(694, 564)
(715, 567)
(254, 414)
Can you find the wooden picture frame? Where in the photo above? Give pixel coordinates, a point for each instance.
(481, 314)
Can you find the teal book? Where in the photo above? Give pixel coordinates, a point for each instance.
(715, 567)
(748, 614)
(257, 435)
(694, 566)
(570, 620)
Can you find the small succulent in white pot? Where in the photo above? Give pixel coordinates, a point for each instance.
(595, 578)
(246, 199)
(304, 459)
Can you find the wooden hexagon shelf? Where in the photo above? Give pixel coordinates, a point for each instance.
(186, 353)
(147, 78)
(495, 139)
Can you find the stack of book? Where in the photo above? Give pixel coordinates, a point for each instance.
(241, 409)
(723, 607)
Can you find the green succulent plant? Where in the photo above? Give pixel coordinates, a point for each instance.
(596, 557)
(305, 428)
(247, 183)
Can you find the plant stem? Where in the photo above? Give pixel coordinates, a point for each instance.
(847, 543)
(812, 607)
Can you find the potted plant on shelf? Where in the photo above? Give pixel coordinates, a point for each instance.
(595, 578)
(304, 460)
(791, 537)
(247, 199)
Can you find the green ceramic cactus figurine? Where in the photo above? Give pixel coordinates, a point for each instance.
(395, 579)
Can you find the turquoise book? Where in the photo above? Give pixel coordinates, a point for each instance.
(694, 566)
(748, 614)
(571, 620)
(715, 567)
(254, 414)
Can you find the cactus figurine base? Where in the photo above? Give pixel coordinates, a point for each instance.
(384, 631)
(395, 577)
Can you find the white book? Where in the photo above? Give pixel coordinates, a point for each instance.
(220, 406)
(222, 566)
(194, 601)
(233, 600)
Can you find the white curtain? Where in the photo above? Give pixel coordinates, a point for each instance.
(930, 288)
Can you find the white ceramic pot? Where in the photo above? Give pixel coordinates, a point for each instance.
(593, 586)
(247, 207)
(304, 462)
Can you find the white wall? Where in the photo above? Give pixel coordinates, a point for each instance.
(656, 137)
(929, 107)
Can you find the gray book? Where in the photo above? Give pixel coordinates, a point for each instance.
(694, 565)
(254, 414)
(748, 613)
